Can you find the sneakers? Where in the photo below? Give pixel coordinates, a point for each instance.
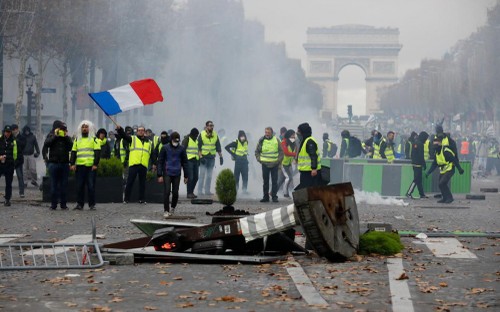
(64, 207)
(53, 207)
(92, 207)
(191, 196)
(448, 201)
(142, 202)
(34, 183)
(172, 210)
(275, 200)
(78, 207)
(409, 196)
(286, 195)
(424, 196)
(6, 203)
(21, 195)
(125, 202)
(167, 214)
(264, 200)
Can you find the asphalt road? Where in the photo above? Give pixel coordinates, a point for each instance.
(437, 278)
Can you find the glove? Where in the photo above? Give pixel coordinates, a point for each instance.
(221, 160)
(203, 161)
(36, 155)
(461, 171)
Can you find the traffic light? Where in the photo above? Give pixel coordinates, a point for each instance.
(349, 110)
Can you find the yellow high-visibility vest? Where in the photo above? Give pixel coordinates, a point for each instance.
(139, 152)
(84, 148)
(270, 150)
(444, 165)
(304, 160)
(208, 147)
(192, 149)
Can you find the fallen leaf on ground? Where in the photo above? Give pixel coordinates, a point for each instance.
(230, 299)
(163, 293)
(184, 305)
(443, 284)
(150, 308)
(403, 276)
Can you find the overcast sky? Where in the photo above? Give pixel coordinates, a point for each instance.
(428, 28)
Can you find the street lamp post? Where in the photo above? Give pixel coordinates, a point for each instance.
(74, 88)
(30, 79)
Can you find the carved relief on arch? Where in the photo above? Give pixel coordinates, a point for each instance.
(341, 62)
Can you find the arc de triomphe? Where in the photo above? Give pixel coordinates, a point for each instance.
(329, 50)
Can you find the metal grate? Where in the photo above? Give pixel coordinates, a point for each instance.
(31, 256)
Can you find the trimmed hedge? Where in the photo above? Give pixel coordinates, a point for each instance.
(225, 187)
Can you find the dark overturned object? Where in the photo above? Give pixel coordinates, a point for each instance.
(328, 215)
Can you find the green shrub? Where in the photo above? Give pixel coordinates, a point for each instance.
(111, 167)
(382, 243)
(225, 187)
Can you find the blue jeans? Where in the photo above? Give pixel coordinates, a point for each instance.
(85, 175)
(206, 175)
(20, 179)
(192, 171)
(58, 183)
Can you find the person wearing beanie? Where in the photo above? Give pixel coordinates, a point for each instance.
(158, 141)
(308, 158)
(122, 149)
(8, 157)
(446, 160)
(21, 143)
(270, 154)
(102, 138)
(31, 151)
(193, 164)
(172, 161)
(140, 150)
(55, 152)
(329, 148)
(239, 152)
(344, 146)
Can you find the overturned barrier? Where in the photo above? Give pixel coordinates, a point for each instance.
(328, 215)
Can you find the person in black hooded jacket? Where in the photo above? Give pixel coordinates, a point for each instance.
(239, 152)
(55, 152)
(418, 163)
(31, 151)
(308, 158)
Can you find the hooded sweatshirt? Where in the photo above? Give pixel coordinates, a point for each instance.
(311, 147)
(231, 148)
(31, 143)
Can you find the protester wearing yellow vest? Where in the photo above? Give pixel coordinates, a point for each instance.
(158, 142)
(239, 152)
(387, 147)
(102, 138)
(191, 146)
(208, 146)
(308, 159)
(85, 156)
(446, 159)
(8, 157)
(289, 148)
(270, 154)
(140, 149)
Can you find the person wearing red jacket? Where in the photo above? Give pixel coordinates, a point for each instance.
(290, 151)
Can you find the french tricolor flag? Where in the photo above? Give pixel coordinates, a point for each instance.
(133, 95)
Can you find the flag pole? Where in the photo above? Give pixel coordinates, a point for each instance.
(116, 124)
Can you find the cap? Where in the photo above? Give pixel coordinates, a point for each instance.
(7, 128)
(14, 127)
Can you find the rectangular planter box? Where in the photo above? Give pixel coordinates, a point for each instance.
(107, 190)
(391, 179)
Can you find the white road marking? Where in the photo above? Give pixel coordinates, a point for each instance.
(447, 247)
(400, 292)
(4, 238)
(304, 285)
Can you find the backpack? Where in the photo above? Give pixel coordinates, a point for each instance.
(332, 151)
(355, 147)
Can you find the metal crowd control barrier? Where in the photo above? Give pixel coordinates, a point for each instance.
(38, 256)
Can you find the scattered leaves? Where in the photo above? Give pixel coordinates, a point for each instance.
(230, 299)
(150, 308)
(163, 293)
(184, 305)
